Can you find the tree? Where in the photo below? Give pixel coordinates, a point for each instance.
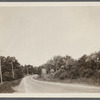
(7, 68)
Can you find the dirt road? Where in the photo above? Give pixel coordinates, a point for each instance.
(30, 85)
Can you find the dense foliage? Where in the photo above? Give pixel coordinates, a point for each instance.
(11, 68)
(86, 67)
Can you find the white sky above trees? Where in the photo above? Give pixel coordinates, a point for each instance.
(35, 34)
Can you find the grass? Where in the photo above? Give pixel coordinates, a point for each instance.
(6, 87)
(85, 81)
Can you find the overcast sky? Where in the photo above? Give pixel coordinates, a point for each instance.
(35, 34)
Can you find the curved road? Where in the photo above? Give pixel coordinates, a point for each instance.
(30, 85)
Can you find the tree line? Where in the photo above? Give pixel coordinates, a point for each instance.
(64, 67)
(11, 69)
(86, 67)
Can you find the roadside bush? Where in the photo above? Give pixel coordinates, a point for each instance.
(57, 73)
(63, 75)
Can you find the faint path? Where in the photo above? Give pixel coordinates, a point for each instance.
(29, 85)
(20, 88)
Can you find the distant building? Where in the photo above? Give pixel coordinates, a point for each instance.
(43, 73)
(43, 70)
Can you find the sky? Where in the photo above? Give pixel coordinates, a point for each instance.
(35, 34)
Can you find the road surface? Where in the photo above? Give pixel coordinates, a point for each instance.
(30, 85)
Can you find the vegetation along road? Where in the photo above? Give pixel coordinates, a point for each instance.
(30, 85)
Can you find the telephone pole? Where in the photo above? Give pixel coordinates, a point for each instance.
(27, 71)
(0, 71)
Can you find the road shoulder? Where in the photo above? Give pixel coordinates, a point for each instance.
(20, 88)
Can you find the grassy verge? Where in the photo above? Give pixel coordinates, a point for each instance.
(83, 81)
(7, 86)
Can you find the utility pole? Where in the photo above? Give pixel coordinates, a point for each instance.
(97, 62)
(0, 71)
(27, 70)
(13, 75)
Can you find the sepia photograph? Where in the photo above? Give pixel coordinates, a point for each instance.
(49, 49)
